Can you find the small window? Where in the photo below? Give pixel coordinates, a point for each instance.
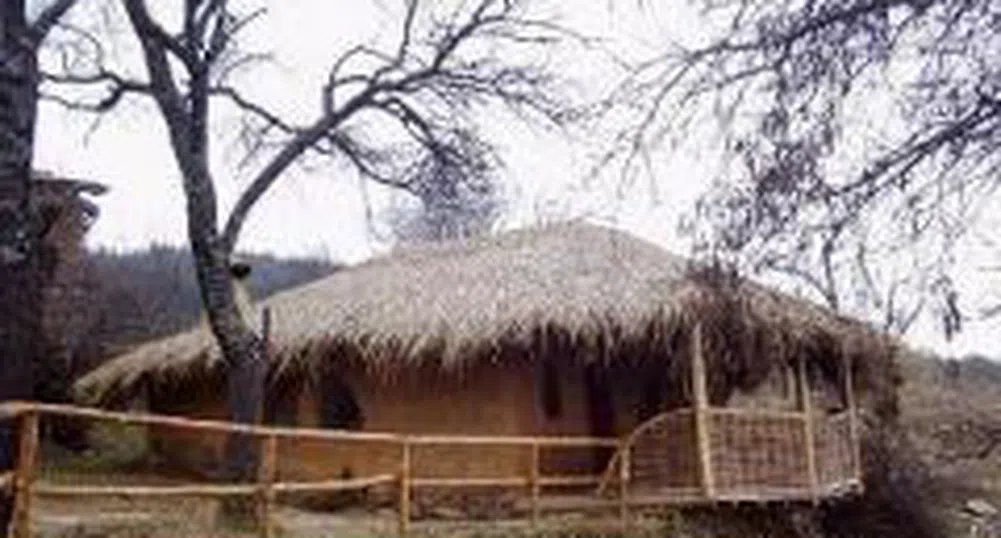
(549, 385)
(283, 411)
(653, 397)
(339, 408)
(281, 404)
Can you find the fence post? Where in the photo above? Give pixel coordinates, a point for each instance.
(701, 393)
(535, 486)
(853, 426)
(806, 407)
(624, 463)
(404, 523)
(24, 479)
(266, 477)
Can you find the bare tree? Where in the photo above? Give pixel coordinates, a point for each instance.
(21, 38)
(843, 266)
(382, 112)
(457, 191)
(837, 111)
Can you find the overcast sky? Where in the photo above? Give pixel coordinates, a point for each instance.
(323, 210)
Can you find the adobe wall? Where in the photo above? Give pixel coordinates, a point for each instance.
(487, 401)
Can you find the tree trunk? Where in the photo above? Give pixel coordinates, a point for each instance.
(240, 345)
(245, 376)
(20, 287)
(186, 118)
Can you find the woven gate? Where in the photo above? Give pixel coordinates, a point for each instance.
(710, 453)
(751, 456)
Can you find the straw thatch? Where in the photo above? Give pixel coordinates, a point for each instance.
(604, 293)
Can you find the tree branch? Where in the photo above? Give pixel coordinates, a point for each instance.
(118, 88)
(162, 84)
(48, 19)
(270, 118)
(331, 119)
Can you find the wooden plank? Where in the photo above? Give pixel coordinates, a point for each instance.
(304, 433)
(208, 490)
(405, 485)
(791, 383)
(624, 470)
(211, 425)
(334, 485)
(677, 497)
(453, 440)
(806, 406)
(269, 458)
(701, 416)
(24, 481)
(608, 475)
(746, 412)
(194, 490)
(266, 479)
(487, 482)
(571, 480)
(853, 425)
(9, 410)
(559, 503)
(535, 485)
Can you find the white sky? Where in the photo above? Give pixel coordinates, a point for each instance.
(322, 212)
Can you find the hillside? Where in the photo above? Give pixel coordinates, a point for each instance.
(141, 295)
(951, 411)
(128, 298)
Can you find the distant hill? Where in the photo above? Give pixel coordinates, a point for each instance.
(951, 411)
(141, 295)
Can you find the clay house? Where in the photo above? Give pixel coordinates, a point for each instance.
(568, 330)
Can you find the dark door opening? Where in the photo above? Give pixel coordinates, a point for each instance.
(601, 412)
(338, 405)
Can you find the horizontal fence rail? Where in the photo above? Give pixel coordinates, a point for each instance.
(706, 433)
(28, 412)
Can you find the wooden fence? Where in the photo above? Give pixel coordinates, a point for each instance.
(26, 487)
(701, 454)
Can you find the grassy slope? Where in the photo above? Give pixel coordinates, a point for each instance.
(955, 422)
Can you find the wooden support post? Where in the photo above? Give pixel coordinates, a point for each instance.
(268, 464)
(405, 486)
(27, 456)
(624, 463)
(266, 479)
(806, 407)
(535, 485)
(700, 392)
(266, 328)
(853, 425)
(792, 384)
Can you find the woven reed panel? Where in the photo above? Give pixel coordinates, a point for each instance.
(758, 452)
(834, 449)
(666, 455)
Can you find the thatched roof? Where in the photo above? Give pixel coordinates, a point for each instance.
(449, 305)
